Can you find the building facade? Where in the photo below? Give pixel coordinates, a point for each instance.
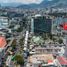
(41, 24)
(4, 22)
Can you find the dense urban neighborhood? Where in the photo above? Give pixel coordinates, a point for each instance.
(33, 37)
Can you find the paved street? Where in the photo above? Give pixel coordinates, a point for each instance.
(3, 53)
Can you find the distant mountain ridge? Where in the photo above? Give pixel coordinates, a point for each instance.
(48, 3)
(44, 4)
(28, 6)
(61, 3)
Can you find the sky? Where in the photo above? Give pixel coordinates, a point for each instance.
(21, 1)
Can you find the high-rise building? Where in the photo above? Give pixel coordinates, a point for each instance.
(41, 24)
(4, 22)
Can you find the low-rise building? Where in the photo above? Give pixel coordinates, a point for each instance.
(62, 60)
(56, 49)
(39, 60)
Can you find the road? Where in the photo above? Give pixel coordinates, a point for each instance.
(3, 53)
(26, 47)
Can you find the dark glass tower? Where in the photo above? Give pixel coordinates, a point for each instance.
(41, 24)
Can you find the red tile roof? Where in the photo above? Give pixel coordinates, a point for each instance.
(2, 42)
(62, 60)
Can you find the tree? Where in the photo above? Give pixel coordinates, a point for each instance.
(60, 41)
(13, 44)
(44, 36)
(19, 59)
(54, 39)
(50, 36)
(11, 26)
(19, 29)
(21, 42)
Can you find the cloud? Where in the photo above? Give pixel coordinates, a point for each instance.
(22, 1)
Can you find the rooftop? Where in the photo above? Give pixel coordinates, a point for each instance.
(41, 57)
(62, 60)
(2, 42)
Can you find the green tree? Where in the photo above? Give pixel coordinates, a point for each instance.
(11, 26)
(19, 59)
(19, 29)
(21, 42)
(60, 41)
(50, 36)
(13, 44)
(54, 39)
(44, 36)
